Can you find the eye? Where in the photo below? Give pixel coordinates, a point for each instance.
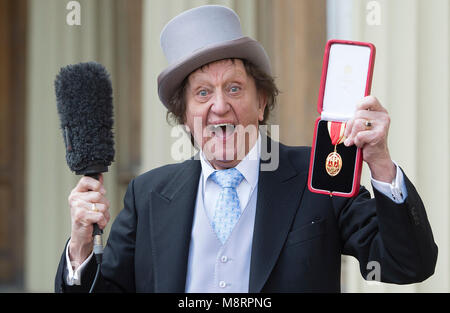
(203, 93)
(235, 89)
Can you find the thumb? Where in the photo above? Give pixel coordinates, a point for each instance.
(100, 178)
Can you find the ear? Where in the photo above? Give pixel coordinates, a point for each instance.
(262, 103)
(186, 128)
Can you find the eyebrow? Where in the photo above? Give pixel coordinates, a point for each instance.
(235, 75)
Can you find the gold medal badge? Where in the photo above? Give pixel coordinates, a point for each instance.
(333, 163)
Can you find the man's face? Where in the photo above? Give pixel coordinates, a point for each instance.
(223, 111)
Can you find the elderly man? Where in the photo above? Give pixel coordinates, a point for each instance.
(218, 223)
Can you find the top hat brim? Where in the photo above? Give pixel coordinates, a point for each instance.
(243, 48)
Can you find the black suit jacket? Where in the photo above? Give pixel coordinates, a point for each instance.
(298, 238)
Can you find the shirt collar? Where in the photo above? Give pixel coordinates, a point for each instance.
(248, 167)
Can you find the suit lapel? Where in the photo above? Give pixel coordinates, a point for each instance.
(171, 217)
(279, 196)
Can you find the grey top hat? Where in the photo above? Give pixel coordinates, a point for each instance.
(202, 35)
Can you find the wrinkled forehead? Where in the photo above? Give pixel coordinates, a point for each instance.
(222, 69)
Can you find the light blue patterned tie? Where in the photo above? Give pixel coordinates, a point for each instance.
(227, 209)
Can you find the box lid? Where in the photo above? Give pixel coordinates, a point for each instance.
(346, 78)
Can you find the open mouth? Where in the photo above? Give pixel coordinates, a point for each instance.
(223, 130)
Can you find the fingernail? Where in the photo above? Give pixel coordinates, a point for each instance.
(346, 142)
(102, 190)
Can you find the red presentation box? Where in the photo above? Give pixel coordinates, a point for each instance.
(346, 78)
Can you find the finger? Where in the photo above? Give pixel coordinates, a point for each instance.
(88, 196)
(87, 183)
(348, 127)
(97, 198)
(370, 103)
(366, 137)
(363, 124)
(349, 142)
(370, 115)
(98, 218)
(99, 207)
(100, 178)
(101, 219)
(102, 207)
(358, 126)
(80, 204)
(84, 215)
(96, 207)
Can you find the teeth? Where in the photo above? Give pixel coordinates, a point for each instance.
(224, 124)
(215, 127)
(229, 128)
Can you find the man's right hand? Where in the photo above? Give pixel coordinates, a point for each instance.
(87, 192)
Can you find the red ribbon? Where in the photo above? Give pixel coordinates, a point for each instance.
(335, 132)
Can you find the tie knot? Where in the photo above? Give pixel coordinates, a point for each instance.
(230, 178)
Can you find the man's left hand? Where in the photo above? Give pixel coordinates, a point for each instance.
(368, 130)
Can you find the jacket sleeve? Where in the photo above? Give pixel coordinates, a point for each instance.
(397, 236)
(117, 269)
(61, 276)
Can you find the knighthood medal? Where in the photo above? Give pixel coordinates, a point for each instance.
(333, 163)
